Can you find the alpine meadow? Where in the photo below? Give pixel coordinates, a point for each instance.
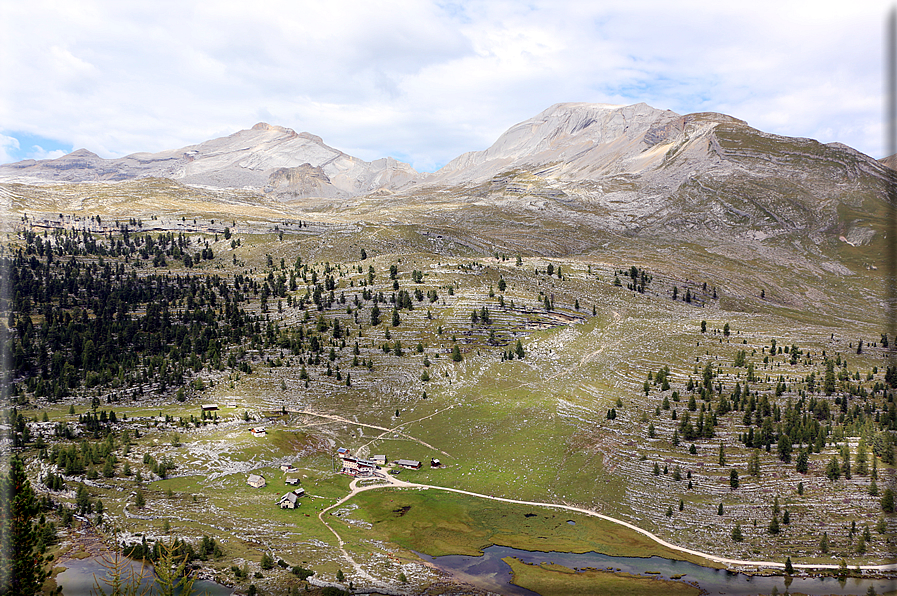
(618, 330)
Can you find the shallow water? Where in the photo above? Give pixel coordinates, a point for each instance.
(491, 573)
(78, 579)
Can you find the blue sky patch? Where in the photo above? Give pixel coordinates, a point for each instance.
(16, 146)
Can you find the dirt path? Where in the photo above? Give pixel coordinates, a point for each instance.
(354, 489)
(655, 538)
(395, 430)
(436, 413)
(395, 482)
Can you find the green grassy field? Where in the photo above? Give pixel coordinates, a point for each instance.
(442, 523)
(531, 429)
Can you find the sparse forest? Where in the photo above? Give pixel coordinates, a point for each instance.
(140, 359)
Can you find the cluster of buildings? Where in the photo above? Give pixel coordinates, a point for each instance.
(291, 476)
(351, 465)
(356, 466)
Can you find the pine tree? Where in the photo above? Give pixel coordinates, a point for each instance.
(736, 533)
(108, 469)
(722, 455)
(733, 479)
(887, 501)
(21, 565)
(719, 510)
(862, 465)
(823, 544)
(845, 465)
(833, 469)
(456, 354)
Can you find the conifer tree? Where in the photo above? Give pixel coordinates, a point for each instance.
(736, 533)
(733, 479)
(22, 569)
(862, 465)
(456, 354)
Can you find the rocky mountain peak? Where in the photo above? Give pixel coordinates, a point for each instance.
(264, 126)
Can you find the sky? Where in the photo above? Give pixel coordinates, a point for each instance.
(423, 81)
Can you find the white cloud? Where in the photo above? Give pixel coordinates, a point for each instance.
(8, 147)
(38, 152)
(427, 80)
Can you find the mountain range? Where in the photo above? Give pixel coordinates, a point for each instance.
(641, 170)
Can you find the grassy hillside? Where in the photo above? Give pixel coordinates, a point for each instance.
(585, 417)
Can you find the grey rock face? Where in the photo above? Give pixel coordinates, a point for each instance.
(244, 159)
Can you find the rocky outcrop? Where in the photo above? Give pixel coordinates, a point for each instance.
(299, 182)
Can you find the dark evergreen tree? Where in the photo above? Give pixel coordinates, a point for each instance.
(22, 571)
(456, 354)
(733, 479)
(887, 500)
(736, 533)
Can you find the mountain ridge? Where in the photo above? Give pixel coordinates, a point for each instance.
(631, 170)
(244, 159)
